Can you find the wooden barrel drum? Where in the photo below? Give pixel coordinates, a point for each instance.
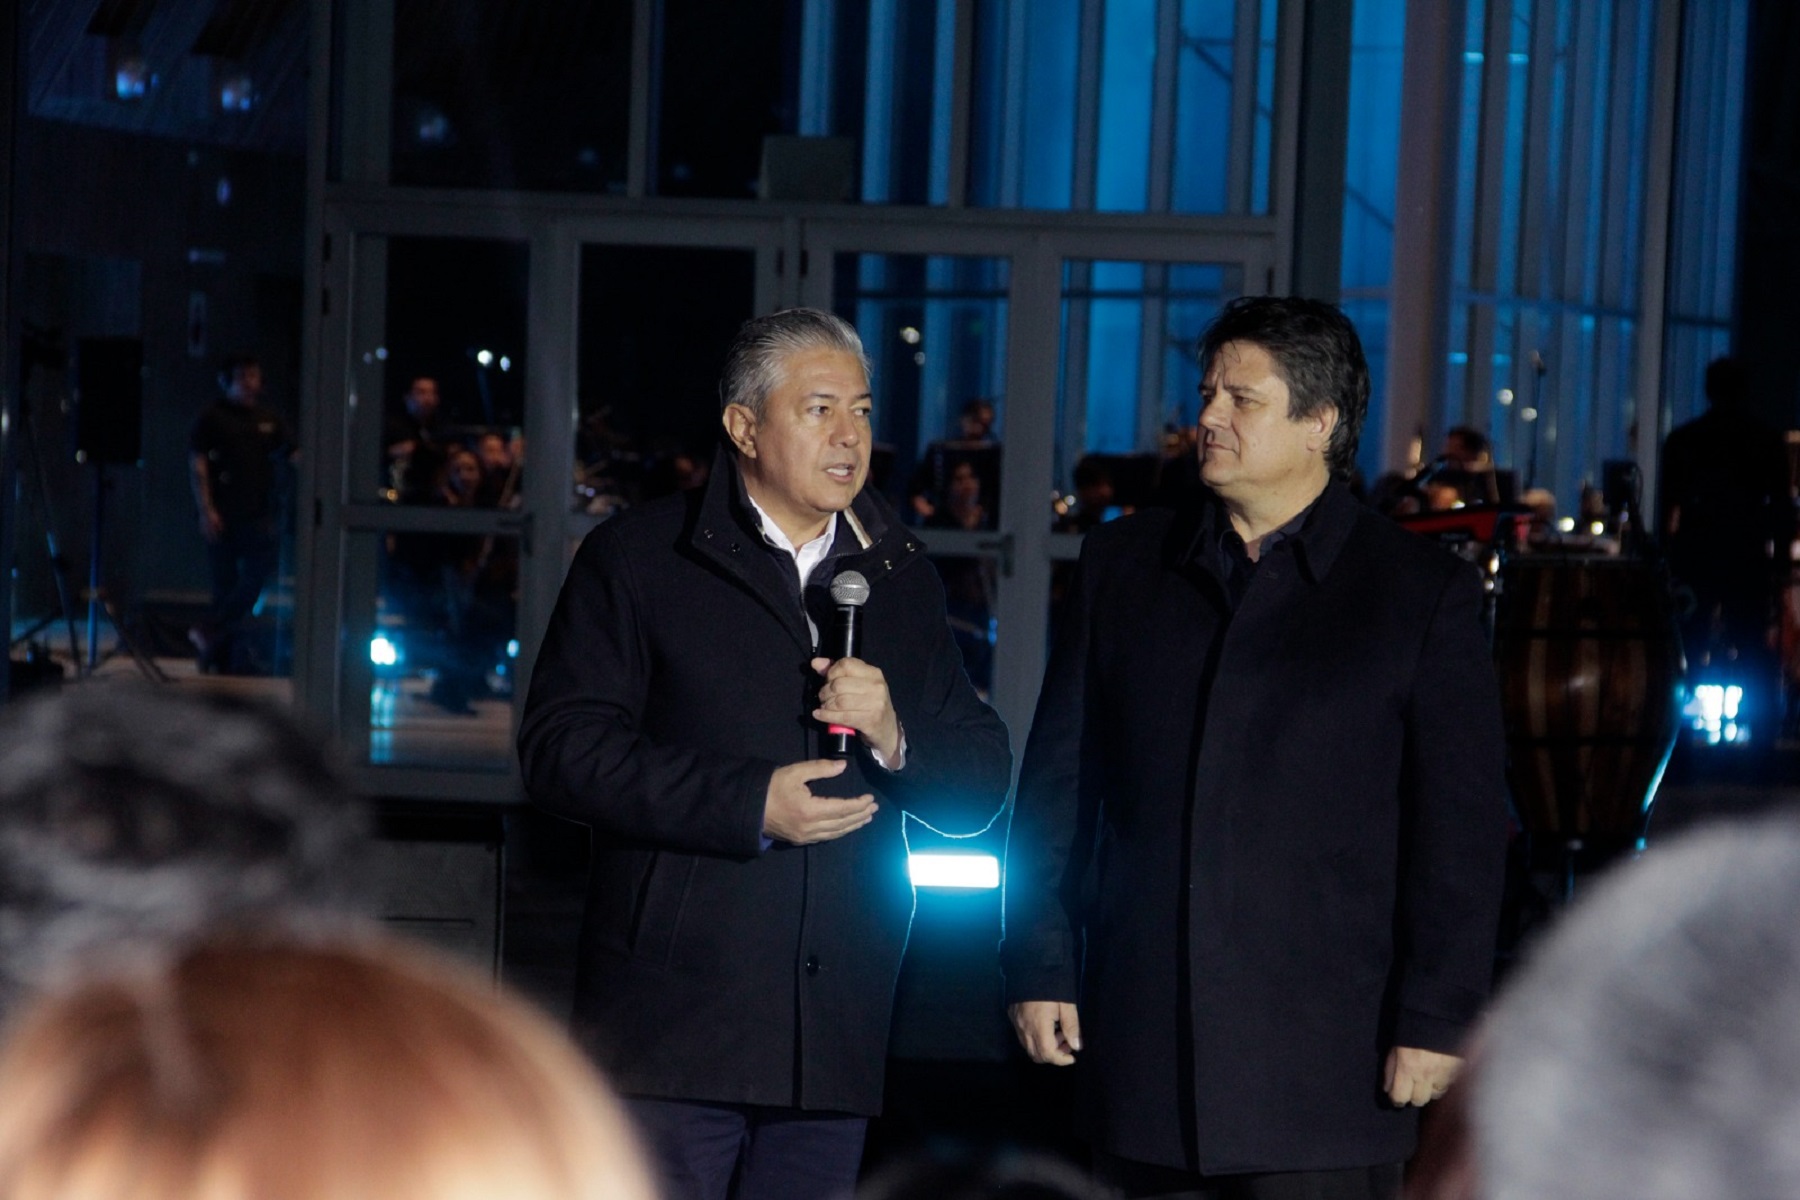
(1589, 656)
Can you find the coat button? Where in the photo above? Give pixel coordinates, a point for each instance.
(812, 964)
(734, 547)
(706, 533)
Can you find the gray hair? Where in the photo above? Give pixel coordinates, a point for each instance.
(131, 820)
(1650, 1050)
(757, 361)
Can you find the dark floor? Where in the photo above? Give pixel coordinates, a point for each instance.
(956, 1084)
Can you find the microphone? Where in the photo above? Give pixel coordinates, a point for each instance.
(849, 591)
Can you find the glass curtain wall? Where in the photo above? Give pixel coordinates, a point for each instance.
(1702, 246)
(1548, 269)
(1122, 107)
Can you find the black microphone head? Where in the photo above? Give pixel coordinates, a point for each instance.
(849, 589)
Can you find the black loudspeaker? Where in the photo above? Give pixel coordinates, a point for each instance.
(109, 407)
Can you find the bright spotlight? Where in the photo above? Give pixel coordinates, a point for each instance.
(485, 357)
(382, 652)
(967, 871)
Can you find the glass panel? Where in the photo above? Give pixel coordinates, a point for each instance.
(1125, 440)
(654, 325)
(1026, 145)
(440, 653)
(527, 96)
(726, 84)
(452, 365)
(1022, 103)
(970, 586)
(934, 327)
(1127, 81)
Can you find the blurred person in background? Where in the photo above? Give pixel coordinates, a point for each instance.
(1650, 1048)
(135, 818)
(250, 1068)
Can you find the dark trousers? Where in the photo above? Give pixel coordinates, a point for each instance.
(750, 1152)
(1147, 1181)
(242, 560)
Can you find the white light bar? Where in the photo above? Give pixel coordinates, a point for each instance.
(954, 870)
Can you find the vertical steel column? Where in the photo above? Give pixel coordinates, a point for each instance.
(1324, 100)
(1653, 293)
(1424, 224)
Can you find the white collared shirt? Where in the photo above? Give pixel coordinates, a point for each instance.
(806, 560)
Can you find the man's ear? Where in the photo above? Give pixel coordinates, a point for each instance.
(740, 427)
(1322, 423)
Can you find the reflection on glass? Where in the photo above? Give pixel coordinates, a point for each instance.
(969, 590)
(444, 648)
(454, 361)
(654, 325)
(1125, 441)
(934, 328)
(525, 96)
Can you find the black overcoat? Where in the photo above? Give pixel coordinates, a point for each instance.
(673, 680)
(1259, 849)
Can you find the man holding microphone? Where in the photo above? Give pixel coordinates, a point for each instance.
(748, 903)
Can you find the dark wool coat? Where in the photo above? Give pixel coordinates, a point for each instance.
(673, 680)
(1259, 849)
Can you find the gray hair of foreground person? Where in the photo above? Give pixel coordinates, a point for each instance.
(1650, 1050)
(288, 1069)
(132, 818)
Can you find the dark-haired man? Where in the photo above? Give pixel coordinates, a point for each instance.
(234, 453)
(749, 899)
(1254, 868)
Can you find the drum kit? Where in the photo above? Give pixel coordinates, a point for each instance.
(1589, 655)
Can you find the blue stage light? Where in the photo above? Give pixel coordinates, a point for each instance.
(1714, 711)
(383, 652)
(966, 871)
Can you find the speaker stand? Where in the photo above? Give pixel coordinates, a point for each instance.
(99, 605)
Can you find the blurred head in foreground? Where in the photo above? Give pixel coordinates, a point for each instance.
(131, 819)
(281, 1070)
(1650, 1050)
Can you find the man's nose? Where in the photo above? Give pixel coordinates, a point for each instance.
(1212, 413)
(844, 431)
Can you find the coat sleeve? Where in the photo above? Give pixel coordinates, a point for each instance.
(582, 750)
(958, 753)
(1454, 826)
(1047, 846)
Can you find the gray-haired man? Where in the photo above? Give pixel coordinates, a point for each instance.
(749, 901)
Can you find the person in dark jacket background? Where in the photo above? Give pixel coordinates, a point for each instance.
(749, 901)
(1254, 870)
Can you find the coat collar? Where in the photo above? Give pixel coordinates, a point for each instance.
(1316, 545)
(725, 530)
